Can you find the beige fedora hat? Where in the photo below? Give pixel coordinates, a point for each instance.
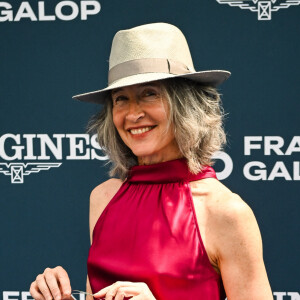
(147, 53)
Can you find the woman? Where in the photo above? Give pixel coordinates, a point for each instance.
(168, 229)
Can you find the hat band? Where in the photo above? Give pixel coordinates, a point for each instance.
(146, 65)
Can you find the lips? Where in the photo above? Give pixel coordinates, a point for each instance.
(135, 131)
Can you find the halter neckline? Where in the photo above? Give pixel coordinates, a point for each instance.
(167, 172)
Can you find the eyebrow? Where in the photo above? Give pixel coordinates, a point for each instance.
(114, 91)
(149, 84)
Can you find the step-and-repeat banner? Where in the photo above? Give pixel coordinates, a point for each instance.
(51, 50)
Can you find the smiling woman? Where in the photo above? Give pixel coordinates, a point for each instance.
(195, 129)
(140, 115)
(141, 118)
(167, 228)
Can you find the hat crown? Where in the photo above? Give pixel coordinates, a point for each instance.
(149, 53)
(158, 40)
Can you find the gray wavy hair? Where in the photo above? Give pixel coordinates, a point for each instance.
(196, 116)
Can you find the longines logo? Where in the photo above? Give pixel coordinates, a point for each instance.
(17, 171)
(64, 10)
(25, 154)
(263, 8)
(22, 155)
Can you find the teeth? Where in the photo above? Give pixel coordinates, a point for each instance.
(140, 130)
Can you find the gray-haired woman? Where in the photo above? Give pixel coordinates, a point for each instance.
(167, 229)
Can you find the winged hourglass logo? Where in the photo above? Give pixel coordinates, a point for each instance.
(264, 8)
(17, 171)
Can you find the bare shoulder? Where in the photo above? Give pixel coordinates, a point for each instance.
(232, 211)
(227, 216)
(100, 197)
(220, 202)
(235, 226)
(105, 190)
(232, 240)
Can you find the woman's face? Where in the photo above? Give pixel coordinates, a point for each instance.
(140, 114)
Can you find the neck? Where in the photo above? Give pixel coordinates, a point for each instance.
(158, 158)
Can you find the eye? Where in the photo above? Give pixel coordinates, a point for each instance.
(150, 93)
(117, 99)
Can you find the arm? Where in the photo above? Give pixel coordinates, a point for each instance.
(239, 252)
(99, 198)
(88, 290)
(55, 283)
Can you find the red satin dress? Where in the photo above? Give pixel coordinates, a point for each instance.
(149, 233)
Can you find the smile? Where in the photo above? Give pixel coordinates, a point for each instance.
(140, 130)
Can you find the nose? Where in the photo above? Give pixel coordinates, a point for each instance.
(135, 111)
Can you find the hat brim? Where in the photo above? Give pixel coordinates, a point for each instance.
(213, 78)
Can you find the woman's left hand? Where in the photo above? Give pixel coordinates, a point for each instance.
(121, 289)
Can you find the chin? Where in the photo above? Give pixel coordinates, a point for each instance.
(144, 152)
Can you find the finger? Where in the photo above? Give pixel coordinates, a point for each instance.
(102, 292)
(43, 287)
(34, 291)
(121, 294)
(138, 297)
(128, 291)
(52, 283)
(110, 291)
(124, 289)
(117, 284)
(64, 282)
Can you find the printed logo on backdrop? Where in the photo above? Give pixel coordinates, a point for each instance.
(23, 155)
(48, 11)
(26, 154)
(276, 158)
(263, 8)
